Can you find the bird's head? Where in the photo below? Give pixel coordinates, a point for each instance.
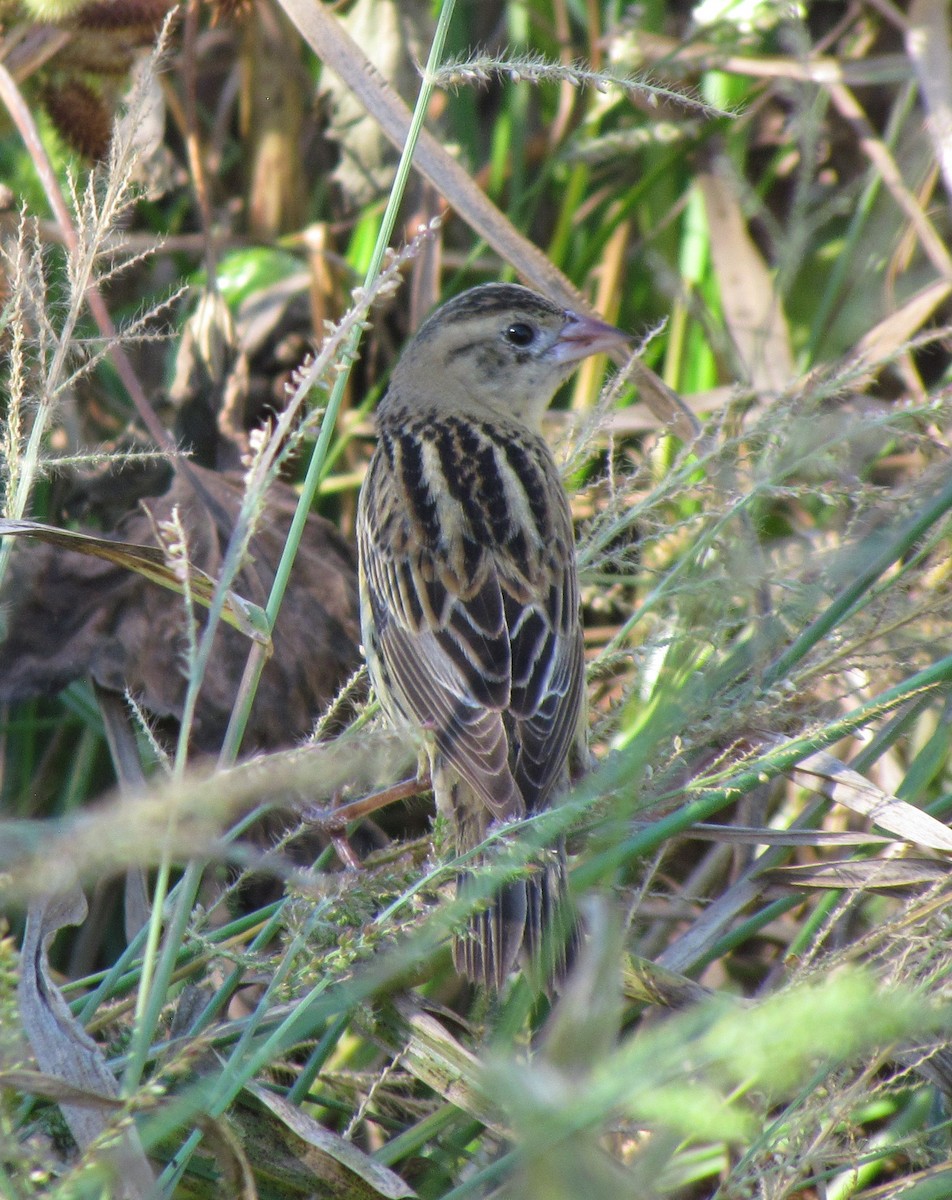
(501, 348)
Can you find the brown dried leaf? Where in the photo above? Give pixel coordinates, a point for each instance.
(74, 616)
(66, 1052)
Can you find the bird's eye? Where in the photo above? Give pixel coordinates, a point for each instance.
(520, 334)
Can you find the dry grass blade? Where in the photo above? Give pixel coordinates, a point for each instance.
(765, 836)
(64, 1050)
(752, 307)
(151, 563)
(684, 952)
(891, 335)
(661, 50)
(870, 875)
(338, 1167)
(884, 162)
(853, 791)
(51, 1087)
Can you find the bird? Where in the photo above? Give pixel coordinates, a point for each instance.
(469, 592)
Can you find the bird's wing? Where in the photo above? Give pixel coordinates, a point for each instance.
(548, 671)
(476, 619)
(444, 657)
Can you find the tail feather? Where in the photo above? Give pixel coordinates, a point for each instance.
(531, 917)
(488, 949)
(552, 934)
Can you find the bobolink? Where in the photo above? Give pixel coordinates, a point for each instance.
(469, 589)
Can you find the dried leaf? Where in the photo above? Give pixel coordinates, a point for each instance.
(394, 38)
(859, 875)
(337, 1167)
(149, 562)
(66, 1052)
(74, 616)
(435, 1057)
(853, 791)
(154, 164)
(752, 309)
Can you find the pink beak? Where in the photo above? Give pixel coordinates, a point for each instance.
(582, 336)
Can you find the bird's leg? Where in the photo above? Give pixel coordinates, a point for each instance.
(423, 769)
(335, 819)
(337, 833)
(345, 852)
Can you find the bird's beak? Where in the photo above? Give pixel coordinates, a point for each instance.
(581, 336)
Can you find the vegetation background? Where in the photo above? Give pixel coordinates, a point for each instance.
(761, 193)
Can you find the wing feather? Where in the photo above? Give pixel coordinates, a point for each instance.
(479, 638)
